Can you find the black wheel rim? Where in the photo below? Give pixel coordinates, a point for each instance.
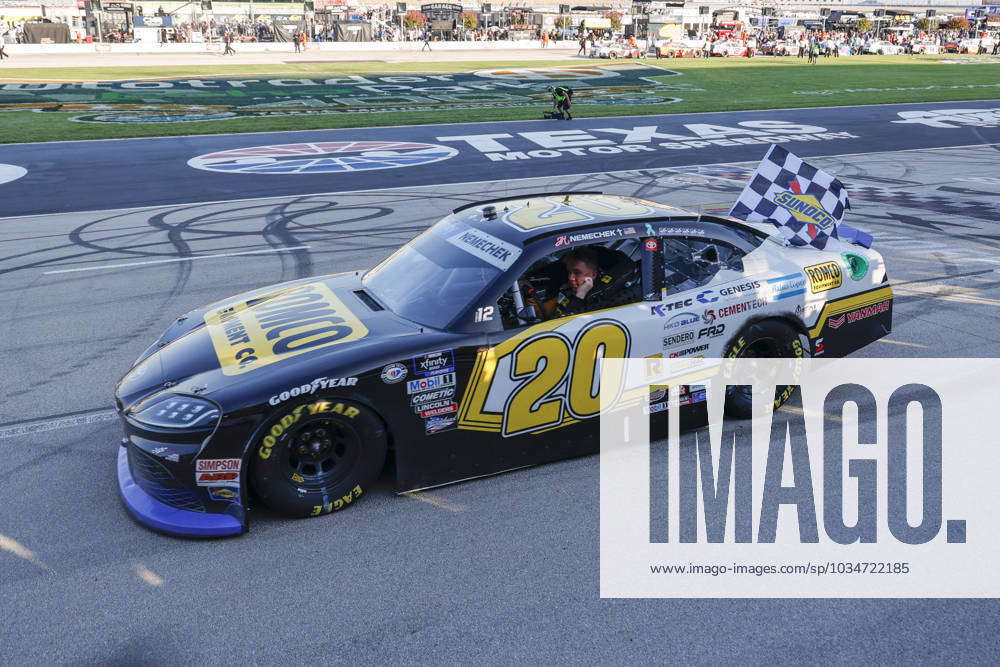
(760, 348)
(320, 453)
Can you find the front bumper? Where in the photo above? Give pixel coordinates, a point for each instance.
(150, 512)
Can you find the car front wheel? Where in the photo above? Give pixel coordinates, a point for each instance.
(317, 457)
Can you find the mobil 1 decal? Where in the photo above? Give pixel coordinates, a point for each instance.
(182, 100)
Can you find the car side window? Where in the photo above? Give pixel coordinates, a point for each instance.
(577, 280)
(692, 262)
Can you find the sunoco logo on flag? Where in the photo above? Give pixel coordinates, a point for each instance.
(805, 203)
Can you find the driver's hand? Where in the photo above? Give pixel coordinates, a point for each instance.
(585, 286)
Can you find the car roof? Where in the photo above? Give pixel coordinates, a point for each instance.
(522, 218)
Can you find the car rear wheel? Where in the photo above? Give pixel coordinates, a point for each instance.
(767, 339)
(318, 456)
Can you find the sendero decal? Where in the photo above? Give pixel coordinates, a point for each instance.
(322, 157)
(825, 276)
(247, 337)
(486, 247)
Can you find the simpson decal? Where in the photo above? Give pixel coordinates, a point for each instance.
(250, 335)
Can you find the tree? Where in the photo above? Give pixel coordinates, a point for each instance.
(563, 22)
(958, 23)
(924, 25)
(414, 19)
(863, 25)
(469, 20)
(616, 20)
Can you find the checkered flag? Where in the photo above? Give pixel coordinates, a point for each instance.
(805, 203)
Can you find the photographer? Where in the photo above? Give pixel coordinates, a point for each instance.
(562, 100)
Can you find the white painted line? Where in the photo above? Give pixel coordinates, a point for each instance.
(44, 425)
(402, 189)
(899, 342)
(176, 259)
(147, 575)
(10, 545)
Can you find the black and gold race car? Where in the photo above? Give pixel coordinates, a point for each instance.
(467, 352)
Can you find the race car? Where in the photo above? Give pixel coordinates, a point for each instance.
(882, 48)
(614, 49)
(469, 351)
(926, 47)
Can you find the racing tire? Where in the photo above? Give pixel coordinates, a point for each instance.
(764, 339)
(318, 456)
(881, 52)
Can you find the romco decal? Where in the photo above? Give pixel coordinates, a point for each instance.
(322, 157)
(825, 276)
(185, 100)
(304, 319)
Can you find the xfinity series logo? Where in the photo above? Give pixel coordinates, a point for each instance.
(434, 363)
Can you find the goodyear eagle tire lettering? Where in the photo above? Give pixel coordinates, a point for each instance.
(767, 339)
(318, 456)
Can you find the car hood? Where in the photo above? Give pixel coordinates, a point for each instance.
(267, 338)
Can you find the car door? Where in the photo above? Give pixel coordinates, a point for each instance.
(538, 380)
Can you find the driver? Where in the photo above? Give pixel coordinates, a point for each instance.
(578, 294)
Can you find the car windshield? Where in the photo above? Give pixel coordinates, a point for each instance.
(432, 279)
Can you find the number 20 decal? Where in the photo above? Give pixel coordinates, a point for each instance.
(553, 380)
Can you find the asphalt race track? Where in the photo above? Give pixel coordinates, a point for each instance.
(500, 570)
(101, 175)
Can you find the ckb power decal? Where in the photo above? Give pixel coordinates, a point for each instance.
(189, 99)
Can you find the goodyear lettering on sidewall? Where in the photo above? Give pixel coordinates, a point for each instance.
(289, 419)
(307, 318)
